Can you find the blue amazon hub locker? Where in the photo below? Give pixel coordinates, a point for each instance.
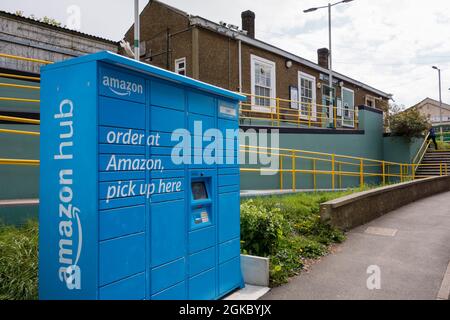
(139, 187)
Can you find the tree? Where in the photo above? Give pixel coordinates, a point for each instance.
(408, 123)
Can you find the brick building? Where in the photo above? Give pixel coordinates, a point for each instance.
(234, 59)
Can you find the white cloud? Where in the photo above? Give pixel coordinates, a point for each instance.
(390, 45)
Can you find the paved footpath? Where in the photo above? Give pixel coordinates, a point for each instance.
(411, 247)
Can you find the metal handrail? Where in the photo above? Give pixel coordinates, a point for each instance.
(425, 142)
(364, 167)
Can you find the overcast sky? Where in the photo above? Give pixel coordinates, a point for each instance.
(389, 44)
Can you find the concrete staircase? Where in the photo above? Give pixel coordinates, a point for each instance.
(432, 163)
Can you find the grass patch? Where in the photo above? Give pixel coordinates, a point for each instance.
(288, 230)
(19, 262)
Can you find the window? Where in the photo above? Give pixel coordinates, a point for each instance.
(328, 102)
(370, 101)
(293, 96)
(307, 85)
(263, 84)
(348, 105)
(180, 66)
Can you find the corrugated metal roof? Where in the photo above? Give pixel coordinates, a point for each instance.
(50, 26)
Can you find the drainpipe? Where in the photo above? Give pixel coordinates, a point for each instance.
(240, 65)
(195, 54)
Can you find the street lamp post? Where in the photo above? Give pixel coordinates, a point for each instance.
(330, 56)
(440, 102)
(137, 51)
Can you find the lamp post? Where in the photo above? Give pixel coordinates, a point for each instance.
(137, 51)
(440, 101)
(330, 56)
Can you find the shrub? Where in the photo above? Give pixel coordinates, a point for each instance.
(19, 262)
(409, 124)
(261, 229)
(288, 229)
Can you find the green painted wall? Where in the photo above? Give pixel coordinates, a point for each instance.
(369, 144)
(18, 182)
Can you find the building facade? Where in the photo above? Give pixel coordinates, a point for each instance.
(226, 56)
(431, 109)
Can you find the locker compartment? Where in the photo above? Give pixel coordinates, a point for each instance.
(121, 203)
(229, 216)
(229, 180)
(201, 239)
(230, 276)
(167, 95)
(121, 136)
(166, 120)
(120, 149)
(199, 124)
(202, 261)
(223, 171)
(122, 114)
(224, 124)
(125, 162)
(177, 292)
(168, 227)
(201, 104)
(121, 258)
(121, 175)
(163, 139)
(120, 189)
(132, 288)
(229, 189)
(229, 250)
(168, 189)
(121, 222)
(203, 286)
(167, 275)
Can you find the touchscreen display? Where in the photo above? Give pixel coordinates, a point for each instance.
(199, 190)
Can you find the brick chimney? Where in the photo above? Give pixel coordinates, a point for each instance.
(322, 57)
(248, 23)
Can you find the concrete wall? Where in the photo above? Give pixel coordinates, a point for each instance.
(357, 209)
(399, 149)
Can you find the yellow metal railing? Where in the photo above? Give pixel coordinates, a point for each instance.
(335, 166)
(281, 112)
(422, 150)
(14, 57)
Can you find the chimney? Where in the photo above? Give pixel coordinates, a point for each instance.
(248, 23)
(323, 55)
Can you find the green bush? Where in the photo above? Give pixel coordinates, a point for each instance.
(261, 229)
(19, 262)
(288, 230)
(409, 124)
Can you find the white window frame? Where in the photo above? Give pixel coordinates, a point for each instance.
(371, 98)
(273, 93)
(343, 108)
(306, 76)
(177, 68)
